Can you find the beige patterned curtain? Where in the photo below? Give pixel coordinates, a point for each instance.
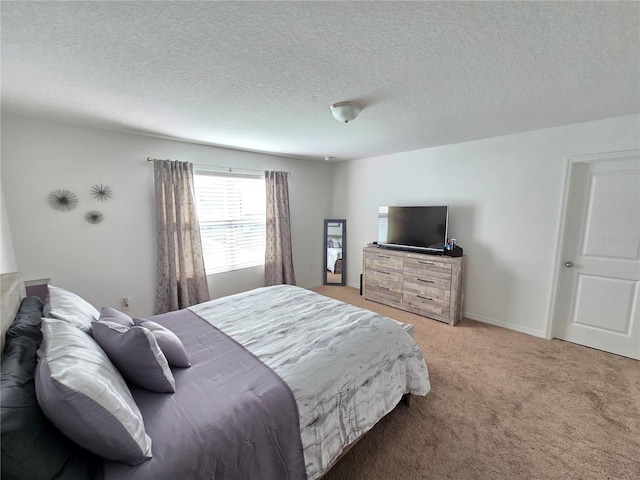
(278, 262)
(182, 280)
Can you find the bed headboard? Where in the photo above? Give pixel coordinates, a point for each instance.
(12, 293)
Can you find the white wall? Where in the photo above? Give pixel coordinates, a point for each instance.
(505, 195)
(116, 258)
(7, 255)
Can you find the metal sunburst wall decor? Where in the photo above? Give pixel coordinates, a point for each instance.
(62, 200)
(94, 216)
(101, 192)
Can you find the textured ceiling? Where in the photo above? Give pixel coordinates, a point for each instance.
(261, 75)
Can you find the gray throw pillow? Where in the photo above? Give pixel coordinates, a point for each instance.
(109, 314)
(169, 343)
(68, 306)
(135, 352)
(82, 393)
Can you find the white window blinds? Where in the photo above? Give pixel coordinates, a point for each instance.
(231, 211)
(383, 224)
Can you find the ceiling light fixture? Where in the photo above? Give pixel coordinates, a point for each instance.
(345, 111)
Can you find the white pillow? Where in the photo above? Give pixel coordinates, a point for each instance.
(71, 308)
(84, 395)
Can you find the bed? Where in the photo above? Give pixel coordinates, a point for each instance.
(334, 254)
(334, 257)
(282, 382)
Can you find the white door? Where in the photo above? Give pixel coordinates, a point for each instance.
(597, 294)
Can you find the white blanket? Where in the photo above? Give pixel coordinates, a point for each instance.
(333, 255)
(347, 367)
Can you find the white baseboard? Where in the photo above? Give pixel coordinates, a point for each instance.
(509, 326)
(480, 318)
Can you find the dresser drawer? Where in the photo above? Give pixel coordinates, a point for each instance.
(388, 278)
(382, 294)
(427, 268)
(384, 282)
(380, 261)
(429, 306)
(424, 283)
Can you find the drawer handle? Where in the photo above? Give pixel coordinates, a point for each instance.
(426, 263)
(383, 287)
(425, 298)
(382, 271)
(425, 280)
(382, 256)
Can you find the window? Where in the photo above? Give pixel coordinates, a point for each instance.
(231, 211)
(383, 223)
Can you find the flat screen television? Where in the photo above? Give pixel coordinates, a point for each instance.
(419, 228)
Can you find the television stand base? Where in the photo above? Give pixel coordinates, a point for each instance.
(421, 283)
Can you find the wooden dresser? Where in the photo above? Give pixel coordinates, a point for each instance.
(428, 285)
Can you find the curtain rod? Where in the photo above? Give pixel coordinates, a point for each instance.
(230, 169)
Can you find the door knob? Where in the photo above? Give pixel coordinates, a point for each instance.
(568, 264)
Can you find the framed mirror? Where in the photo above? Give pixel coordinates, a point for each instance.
(335, 252)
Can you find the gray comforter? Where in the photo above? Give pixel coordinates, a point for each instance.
(230, 418)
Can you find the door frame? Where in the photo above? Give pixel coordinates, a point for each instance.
(570, 162)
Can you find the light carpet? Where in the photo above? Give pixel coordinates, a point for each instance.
(503, 405)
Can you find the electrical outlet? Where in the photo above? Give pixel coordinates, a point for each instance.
(126, 304)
